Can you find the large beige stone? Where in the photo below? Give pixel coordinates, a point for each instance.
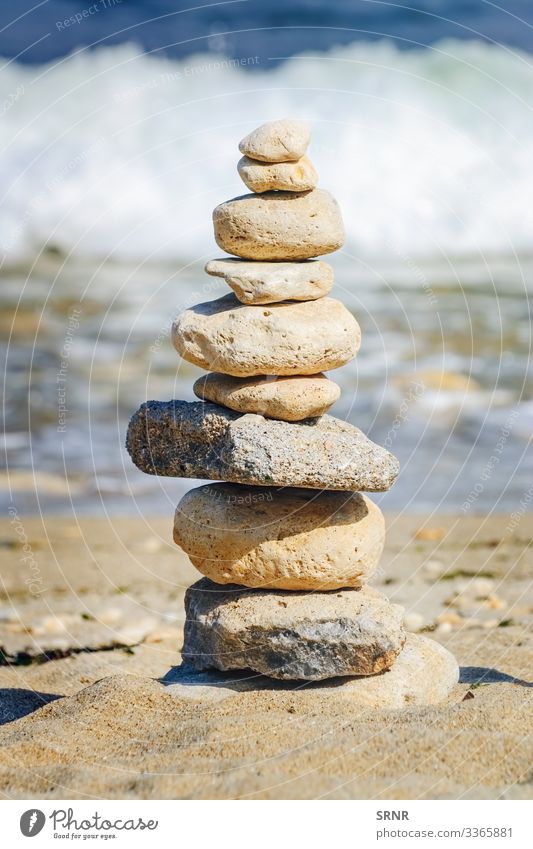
(300, 176)
(271, 282)
(288, 399)
(279, 225)
(277, 141)
(304, 636)
(282, 339)
(290, 539)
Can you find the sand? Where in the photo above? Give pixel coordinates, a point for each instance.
(93, 617)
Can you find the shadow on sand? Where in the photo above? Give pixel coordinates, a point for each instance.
(487, 675)
(16, 703)
(239, 681)
(186, 676)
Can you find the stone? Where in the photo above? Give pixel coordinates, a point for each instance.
(271, 282)
(202, 440)
(279, 339)
(279, 225)
(300, 176)
(288, 539)
(288, 636)
(277, 141)
(424, 673)
(289, 399)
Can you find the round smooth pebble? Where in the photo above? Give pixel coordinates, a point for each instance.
(272, 282)
(300, 176)
(285, 140)
(304, 636)
(301, 338)
(291, 539)
(289, 399)
(279, 225)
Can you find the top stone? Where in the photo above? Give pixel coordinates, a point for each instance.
(277, 141)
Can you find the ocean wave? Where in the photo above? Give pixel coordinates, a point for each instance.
(116, 153)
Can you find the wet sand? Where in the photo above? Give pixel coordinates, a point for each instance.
(91, 616)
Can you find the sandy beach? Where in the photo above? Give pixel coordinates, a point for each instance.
(91, 622)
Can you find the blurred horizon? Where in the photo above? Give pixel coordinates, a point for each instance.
(38, 33)
(114, 157)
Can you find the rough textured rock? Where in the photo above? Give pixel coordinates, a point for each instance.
(279, 339)
(203, 440)
(300, 176)
(291, 635)
(277, 141)
(290, 539)
(424, 673)
(288, 399)
(279, 225)
(271, 282)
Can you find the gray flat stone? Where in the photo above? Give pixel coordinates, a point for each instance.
(291, 635)
(202, 440)
(424, 673)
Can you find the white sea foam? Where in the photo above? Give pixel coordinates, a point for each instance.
(114, 152)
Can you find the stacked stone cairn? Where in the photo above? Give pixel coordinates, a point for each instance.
(287, 542)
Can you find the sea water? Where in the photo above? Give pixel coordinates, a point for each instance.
(112, 161)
